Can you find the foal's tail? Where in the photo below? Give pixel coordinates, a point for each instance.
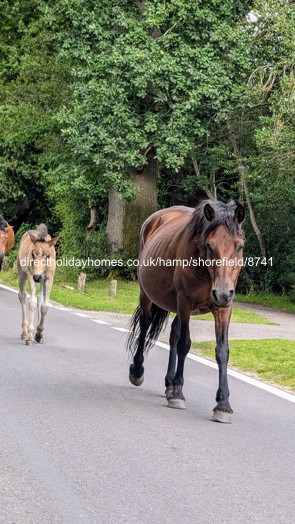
(159, 319)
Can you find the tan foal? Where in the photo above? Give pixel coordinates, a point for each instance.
(36, 262)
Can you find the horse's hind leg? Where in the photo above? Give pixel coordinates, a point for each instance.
(136, 373)
(22, 295)
(174, 336)
(176, 398)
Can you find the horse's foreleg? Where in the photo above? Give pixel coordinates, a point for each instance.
(222, 412)
(32, 306)
(174, 336)
(176, 398)
(46, 288)
(22, 295)
(40, 300)
(136, 372)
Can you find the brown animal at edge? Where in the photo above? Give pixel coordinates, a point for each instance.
(6, 239)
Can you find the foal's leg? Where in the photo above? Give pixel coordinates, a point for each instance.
(40, 299)
(22, 295)
(32, 307)
(176, 398)
(222, 412)
(174, 336)
(136, 374)
(46, 288)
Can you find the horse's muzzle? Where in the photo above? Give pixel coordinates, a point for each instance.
(223, 298)
(37, 278)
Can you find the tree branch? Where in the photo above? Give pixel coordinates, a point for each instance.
(243, 180)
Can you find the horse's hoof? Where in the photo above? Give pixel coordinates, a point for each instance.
(136, 381)
(24, 337)
(222, 416)
(169, 392)
(29, 342)
(39, 339)
(176, 403)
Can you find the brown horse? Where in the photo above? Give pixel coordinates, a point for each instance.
(35, 262)
(6, 239)
(189, 262)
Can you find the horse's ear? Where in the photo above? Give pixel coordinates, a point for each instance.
(53, 241)
(33, 238)
(209, 212)
(240, 213)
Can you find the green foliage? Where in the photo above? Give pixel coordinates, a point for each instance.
(161, 75)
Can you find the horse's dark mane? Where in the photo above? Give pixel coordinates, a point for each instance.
(42, 233)
(3, 223)
(199, 226)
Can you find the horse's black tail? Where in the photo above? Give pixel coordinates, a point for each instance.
(159, 320)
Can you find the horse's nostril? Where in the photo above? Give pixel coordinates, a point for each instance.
(231, 293)
(214, 294)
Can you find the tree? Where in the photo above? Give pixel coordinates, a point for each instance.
(150, 79)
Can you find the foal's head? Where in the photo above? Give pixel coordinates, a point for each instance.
(41, 256)
(222, 240)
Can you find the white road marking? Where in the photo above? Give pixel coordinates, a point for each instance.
(9, 288)
(240, 376)
(100, 321)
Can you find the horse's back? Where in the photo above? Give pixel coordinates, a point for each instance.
(177, 216)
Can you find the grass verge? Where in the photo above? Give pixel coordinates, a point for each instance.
(268, 299)
(272, 360)
(96, 297)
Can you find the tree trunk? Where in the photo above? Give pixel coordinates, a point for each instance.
(244, 184)
(115, 222)
(210, 194)
(126, 218)
(92, 223)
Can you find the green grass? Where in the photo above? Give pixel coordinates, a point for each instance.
(272, 360)
(241, 315)
(96, 297)
(268, 299)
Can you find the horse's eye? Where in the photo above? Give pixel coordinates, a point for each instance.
(239, 248)
(209, 247)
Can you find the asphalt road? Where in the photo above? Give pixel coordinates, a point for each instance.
(79, 444)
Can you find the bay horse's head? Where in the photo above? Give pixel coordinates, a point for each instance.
(218, 226)
(41, 253)
(3, 237)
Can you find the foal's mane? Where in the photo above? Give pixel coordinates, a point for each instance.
(42, 233)
(200, 227)
(3, 223)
